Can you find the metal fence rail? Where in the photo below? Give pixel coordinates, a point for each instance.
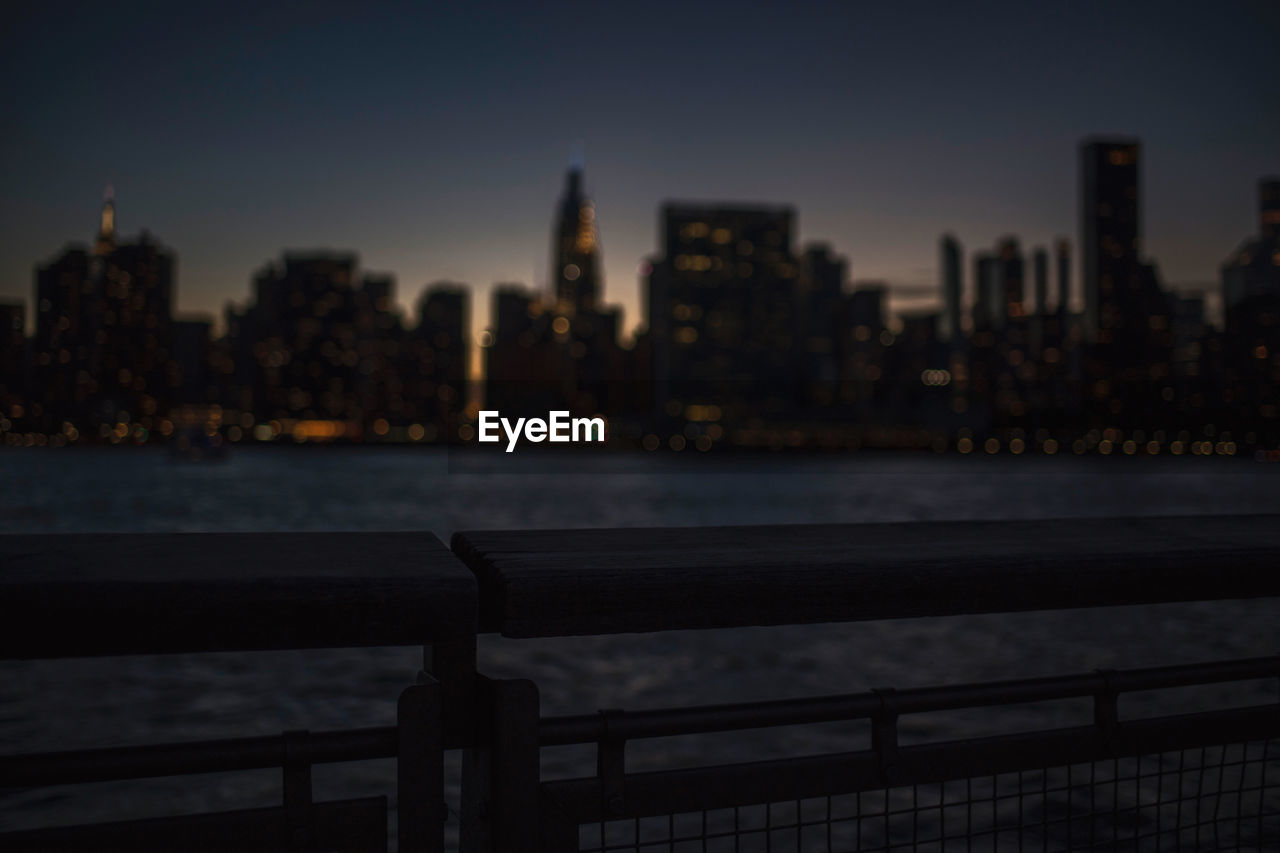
(1208, 799)
(1197, 782)
(1203, 781)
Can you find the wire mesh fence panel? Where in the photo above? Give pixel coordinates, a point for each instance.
(1216, 798)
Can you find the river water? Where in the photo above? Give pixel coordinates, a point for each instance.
(80, 703)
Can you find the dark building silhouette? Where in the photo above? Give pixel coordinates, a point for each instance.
(1012, 288)
(520, 356)
(65, 300)
(104, 335)
(1040, 277)
(1040, 311)
(1119, 291)
(748, 342)
(950, 264)
(575, 251)
(820, 304)
(1253, 269)
(1249, 396)
(192, 379)
(864, 338)
(13, 359)
(988, 287)
(1062, 255)
(1269, 209)
(321, 343)
(562, 354)
(720, 303)
(1126, 311)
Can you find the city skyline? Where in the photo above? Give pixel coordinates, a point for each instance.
(924, 295)
(752, 337)
(431, 163)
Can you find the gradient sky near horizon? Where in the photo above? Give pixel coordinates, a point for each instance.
(432, 138)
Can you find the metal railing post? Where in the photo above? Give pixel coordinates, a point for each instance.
(500, 772)
(297, 790)
(420, 810)
(453, 664)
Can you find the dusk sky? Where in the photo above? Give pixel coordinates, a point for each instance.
(433, 139)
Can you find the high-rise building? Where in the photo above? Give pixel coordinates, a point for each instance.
(863, 347)
(950, 258)
(999, 281)
(1012, 293)
(819, 322)
(1252, 271)
(433, 360)
(12, 357)
(323, 345)
(133, 330)
(1269, 209)
(1251, 315)
(106, 240)
(190, 378)
(1110, 235)
(1040, 275)
(988, 287)
(104, 330)
(521, 364)
(575, 251)
(64, 296)
(1062, 252)
(721, 302)
(1128, 367)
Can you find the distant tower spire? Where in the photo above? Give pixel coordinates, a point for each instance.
(575, 250)
(107, 223)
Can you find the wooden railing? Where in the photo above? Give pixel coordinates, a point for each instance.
(95, 595)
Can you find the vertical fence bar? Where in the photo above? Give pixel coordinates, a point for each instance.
(297, 790)
(452, 662)
(500, 771)
(420, 811)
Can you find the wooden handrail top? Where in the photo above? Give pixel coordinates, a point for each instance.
(547, 583)
(151, 593)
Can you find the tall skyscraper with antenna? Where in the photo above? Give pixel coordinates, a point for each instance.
(106, 241)
(575, 250)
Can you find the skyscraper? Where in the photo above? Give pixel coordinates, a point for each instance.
(322, 343)
(721, 306)
(949, 261)
(575, 251)
(1110, 234)
(1062, 249)
(1269, 209)
(12, 356)
(1040, 268)
(106, 224)
(987, 287)
(1253, 269)
(1127, 313)
(1040, 275)
(1012, 280)
(434, 359)
(104, 330)
(523, 371)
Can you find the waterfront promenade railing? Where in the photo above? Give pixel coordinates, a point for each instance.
(1203, 781)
